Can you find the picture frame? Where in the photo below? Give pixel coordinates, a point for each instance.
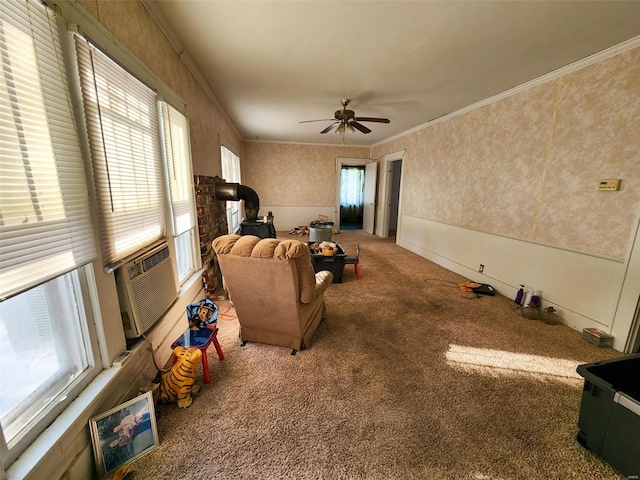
(124, 433)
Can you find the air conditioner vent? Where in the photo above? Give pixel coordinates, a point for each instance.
(146, 290)
(149, 262)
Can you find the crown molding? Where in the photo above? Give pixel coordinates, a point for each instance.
(555, 74)
(250, 140)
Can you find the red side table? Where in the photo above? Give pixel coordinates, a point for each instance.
(200, 339)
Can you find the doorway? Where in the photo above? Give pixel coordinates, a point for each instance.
(351, 197)
(389, 212)
(366, 220)
(394, 196)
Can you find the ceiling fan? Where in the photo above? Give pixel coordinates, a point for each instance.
(345, 120)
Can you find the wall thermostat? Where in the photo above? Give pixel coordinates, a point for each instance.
(609, 185)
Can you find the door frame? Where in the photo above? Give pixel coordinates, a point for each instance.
(384, 205)
(370, 197)
(340, 162)
(626, 320)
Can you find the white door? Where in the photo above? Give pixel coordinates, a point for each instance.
(626, 320)
(370, 180)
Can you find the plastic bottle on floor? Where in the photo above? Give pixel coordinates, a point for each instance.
(517, 302)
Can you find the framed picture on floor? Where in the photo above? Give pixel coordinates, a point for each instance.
(124, 433)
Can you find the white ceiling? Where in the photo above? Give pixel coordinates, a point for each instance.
(273, 64)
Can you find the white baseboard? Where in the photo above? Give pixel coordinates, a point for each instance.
(583, 288)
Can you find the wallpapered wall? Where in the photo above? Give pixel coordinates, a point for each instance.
(291, 174)
(525, 167)
(528, 166)
(142, 37)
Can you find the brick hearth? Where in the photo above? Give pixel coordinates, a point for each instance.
(212, 222)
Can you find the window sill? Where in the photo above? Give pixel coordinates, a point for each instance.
(54, 451)
(59, 442)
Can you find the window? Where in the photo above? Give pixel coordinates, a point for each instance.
(178, 168)
(122, 123)
(45, 225)
(45, 355)
(185, 256)
(47, 348)
(48, 342)
(231, 173)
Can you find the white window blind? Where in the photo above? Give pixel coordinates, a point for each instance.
(122, 123)
(178, 155)
(45, 226)
(231, 173)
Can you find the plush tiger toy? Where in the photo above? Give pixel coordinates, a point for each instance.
(179, 383)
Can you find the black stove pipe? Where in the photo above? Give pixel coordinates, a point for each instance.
(235, 192)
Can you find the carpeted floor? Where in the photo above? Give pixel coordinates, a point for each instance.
(408, 377)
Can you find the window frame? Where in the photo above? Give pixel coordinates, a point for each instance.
(86, 306)
(82, 275)
(107, 343)
(42, 156)
(233, 208)
(179, 158)
(113, 99)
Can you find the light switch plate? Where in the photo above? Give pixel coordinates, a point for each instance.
(609, 185)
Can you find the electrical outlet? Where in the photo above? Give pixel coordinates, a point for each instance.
(481, 268)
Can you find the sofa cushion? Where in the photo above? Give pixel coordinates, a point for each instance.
(224, 243)
(265, 248)
(299, 253)
(244, 246)
(294, 250)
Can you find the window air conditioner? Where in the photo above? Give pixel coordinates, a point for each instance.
(146, 290)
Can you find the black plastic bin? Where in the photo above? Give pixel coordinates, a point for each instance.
(609, 420)
(333, 263)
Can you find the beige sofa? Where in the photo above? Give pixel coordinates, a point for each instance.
(277, 296)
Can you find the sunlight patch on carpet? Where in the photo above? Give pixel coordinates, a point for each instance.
(498, 363)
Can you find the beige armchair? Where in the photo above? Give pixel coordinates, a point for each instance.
(277, 296)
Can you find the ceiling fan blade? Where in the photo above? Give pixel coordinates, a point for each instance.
(321, 120)
(369, 119)
(360, 127)
(330, 127)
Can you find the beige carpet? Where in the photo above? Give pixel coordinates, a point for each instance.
(408, 377)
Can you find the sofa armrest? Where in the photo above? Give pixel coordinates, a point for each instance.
(323, 280)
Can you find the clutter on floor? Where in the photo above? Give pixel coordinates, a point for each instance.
(324, 248)
(597, 337)
(300, 230)
(318, 230)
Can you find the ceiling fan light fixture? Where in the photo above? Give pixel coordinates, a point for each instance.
(347, 122)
